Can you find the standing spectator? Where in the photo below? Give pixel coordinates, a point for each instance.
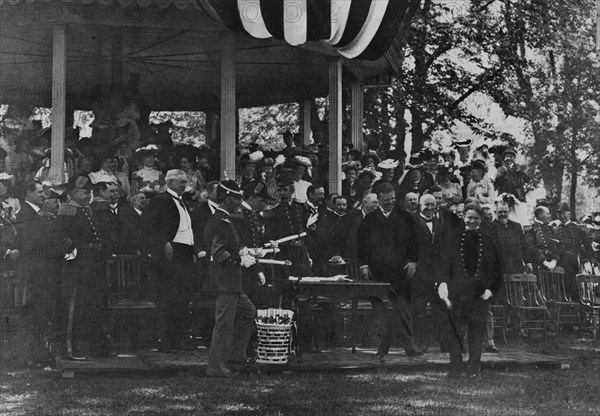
(388, 253)
(106, 172)
(411, 203)
(574, 249)
(422, 286)
(354, 219)
(10, 206)
(451, 190)
(469, 276)
(130, 232)
(480, 187)
(170, 240)
(300, 164)
(543, 244)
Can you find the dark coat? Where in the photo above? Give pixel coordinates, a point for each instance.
(353, 220)
(108, 224)
(461, 284)
(225, 275)
(330, 237)
(131, 235)
(513, 247)
(28, 227)
(429, 254)
(543, 245)
(386, 245)
(573, 241)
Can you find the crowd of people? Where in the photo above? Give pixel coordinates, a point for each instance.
(442, 229)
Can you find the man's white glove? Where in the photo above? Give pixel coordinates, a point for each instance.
(595, 246)
(443, 294)
(550, 264)
(486, 295)
(247, 261)
(411, 269)
(262, 278)
(71, 256)
(365, 274)
(201, 254)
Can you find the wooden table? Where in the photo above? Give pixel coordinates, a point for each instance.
(352, 291)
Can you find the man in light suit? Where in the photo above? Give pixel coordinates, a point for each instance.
(170, 241)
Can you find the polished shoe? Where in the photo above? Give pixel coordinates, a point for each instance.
(491, 349)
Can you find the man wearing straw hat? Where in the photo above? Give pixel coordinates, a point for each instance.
(234, 313)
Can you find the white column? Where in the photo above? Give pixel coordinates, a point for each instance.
(228, 108)
(357, 115)
(304, 120)
(335, 126)
(59, 104)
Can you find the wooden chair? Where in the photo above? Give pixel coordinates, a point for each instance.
(10, 295)
(589, 297)
(565, 310)
(526, 303)
(131, 307)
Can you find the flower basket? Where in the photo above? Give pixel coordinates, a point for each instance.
(274, 327)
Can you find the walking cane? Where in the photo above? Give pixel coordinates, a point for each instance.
(457, 334)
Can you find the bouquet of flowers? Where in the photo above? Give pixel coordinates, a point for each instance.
(274, 316)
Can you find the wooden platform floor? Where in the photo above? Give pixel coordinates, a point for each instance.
(334, 360)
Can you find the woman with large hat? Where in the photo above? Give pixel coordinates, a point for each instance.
(451, 191)
(511, 179)
(480, 186)
(148, 179)
(10, 205)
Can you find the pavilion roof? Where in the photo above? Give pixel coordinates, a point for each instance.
(174, 46)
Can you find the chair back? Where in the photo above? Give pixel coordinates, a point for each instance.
(522, 291)
(589, 290)
(127, 278)
(552, 285)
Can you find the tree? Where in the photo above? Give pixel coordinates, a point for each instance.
(552, 81)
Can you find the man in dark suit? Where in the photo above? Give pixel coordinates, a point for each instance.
(199, 218)
(33, 266)
(353, 220)
(470, 274)
(170, 240)
(104, 209)
(235, 313)
(422, 286)
(130, 226)
(331, 232)
(388, 253)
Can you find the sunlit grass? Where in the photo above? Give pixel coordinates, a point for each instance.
(498, 393)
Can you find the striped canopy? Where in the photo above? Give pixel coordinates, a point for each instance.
(357, 29)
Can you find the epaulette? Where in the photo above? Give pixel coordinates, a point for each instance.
(225, 220)
(67, 210)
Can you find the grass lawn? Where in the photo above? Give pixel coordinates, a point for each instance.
(31, 391)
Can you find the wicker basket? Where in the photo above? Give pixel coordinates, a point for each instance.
(274, 340)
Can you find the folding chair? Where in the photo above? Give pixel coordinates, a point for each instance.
(526, 303)
(589, 296)
(130, 292)
(499, 306)
(552, 285)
